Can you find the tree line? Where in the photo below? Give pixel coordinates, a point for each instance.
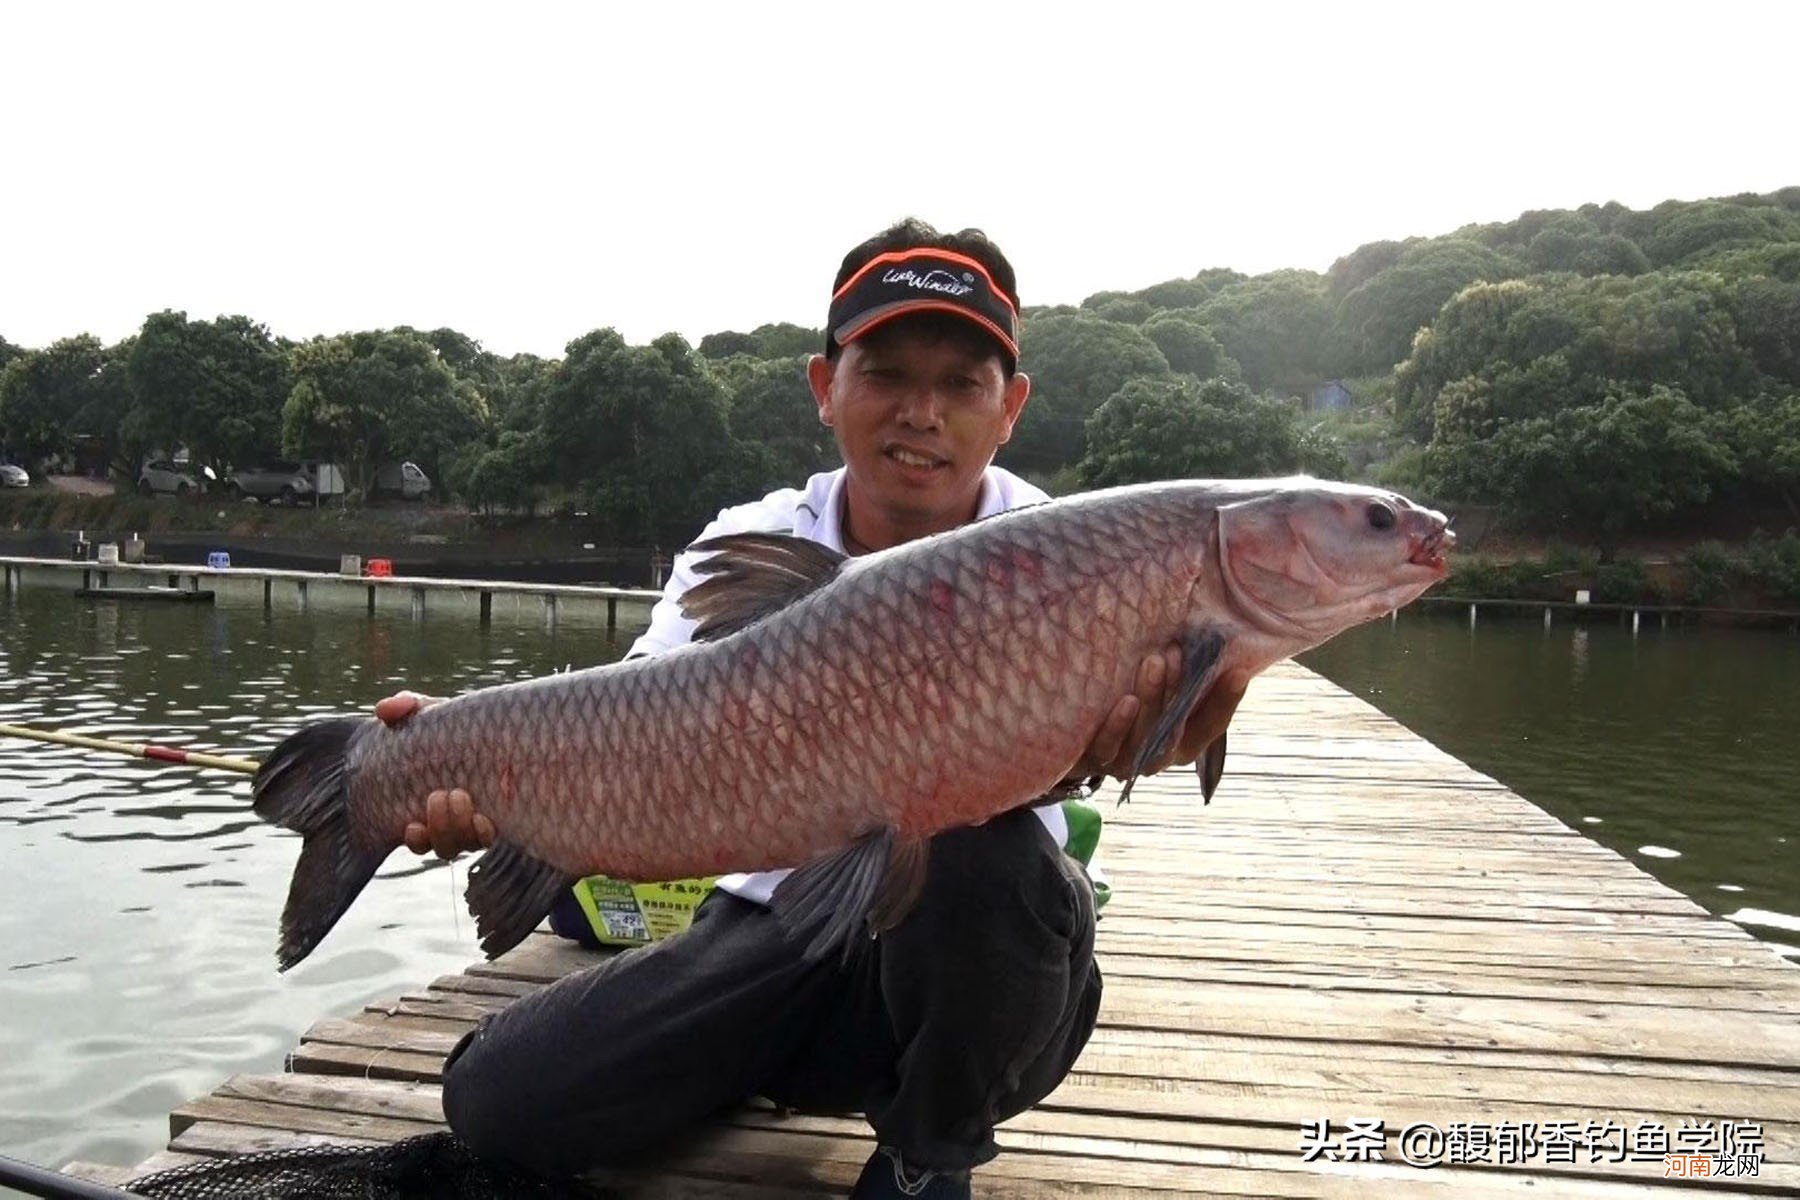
(1593, 371)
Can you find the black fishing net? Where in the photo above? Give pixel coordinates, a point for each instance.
(434, 1166)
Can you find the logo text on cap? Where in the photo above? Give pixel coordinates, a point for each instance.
(932, 281)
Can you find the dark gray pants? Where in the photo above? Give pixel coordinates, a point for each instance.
(969, 1012)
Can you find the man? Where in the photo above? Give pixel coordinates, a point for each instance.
(975, 1006)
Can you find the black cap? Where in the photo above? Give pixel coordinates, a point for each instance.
(923, 279)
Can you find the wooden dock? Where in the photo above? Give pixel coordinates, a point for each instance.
(1359, 928)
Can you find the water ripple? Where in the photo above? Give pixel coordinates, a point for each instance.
(139, 908)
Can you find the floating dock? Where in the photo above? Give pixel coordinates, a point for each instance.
(300, 589)
(177, 595)
(1363, 952)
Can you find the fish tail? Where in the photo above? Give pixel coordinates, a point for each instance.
(303, 786)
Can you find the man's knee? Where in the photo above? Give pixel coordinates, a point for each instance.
(478, 1104)
(503, 1108)
(989, 880)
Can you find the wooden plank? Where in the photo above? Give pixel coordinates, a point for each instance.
(233, 1110)
(1156, 1139)
(214, 1139)
(384, 1039)
(325, 1058)
(166, 1160)
(1049, 1165)
(101, 1173)
(369, 1097)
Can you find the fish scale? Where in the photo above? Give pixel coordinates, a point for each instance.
(851, 707)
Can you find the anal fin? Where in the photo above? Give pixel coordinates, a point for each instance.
(510, 891)
(867, 887)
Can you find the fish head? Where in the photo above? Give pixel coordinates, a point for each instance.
(1310, 558)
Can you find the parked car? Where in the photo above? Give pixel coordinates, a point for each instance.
(11, 476)
(165, 477)
(287, 482)
(403, 479)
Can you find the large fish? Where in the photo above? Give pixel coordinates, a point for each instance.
(834, 714)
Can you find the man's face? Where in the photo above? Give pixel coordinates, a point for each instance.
(918, 411)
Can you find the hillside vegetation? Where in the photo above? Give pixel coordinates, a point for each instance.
(1596, 373)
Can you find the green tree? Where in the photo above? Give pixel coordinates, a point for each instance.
(1189, 346)
(366, 398)
(1277, 327)
(1127, 310)
(1177, 293)
(1363, 264)
(508, 476)
(1075, 362)
(1763, 433)
(41, 393)
(1183, 429)
(1573, 242)
(784, 339)
(1378, 318)
(517, 400)
(1592, 471)
(1683, 232)
(777, 340)
(104, 421)
(1766, 316)
(772, 407)
(216, 387)
(643, 430)
(728, 344)
(1532, 346)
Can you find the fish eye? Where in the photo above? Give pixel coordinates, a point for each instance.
(1381, 516)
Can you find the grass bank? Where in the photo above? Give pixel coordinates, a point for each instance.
(1762, 572)
(112, 517)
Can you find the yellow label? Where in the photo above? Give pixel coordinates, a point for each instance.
(635, 914)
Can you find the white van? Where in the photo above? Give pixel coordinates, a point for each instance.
(404, 479)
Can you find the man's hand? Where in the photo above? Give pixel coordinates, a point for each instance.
(451, 826)
(451, 823)
(1127, 727)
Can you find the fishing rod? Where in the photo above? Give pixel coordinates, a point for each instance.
(39, 1181)
(169, 754)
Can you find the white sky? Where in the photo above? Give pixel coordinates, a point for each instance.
(528, 172)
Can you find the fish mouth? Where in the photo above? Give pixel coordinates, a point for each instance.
(1430, 549)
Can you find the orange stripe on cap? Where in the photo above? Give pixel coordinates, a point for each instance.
(908, 307)
(918, 252)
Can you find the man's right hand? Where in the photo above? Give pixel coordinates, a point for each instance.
(451, 823)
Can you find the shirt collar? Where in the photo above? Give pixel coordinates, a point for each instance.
(828, 526)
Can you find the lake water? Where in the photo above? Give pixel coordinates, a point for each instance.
(138, 903)
(1679, 748)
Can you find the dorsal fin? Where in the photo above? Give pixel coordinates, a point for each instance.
(753, 575)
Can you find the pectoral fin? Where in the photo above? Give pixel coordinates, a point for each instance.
(869, 885)
(1211, 768)
(1200, 652)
